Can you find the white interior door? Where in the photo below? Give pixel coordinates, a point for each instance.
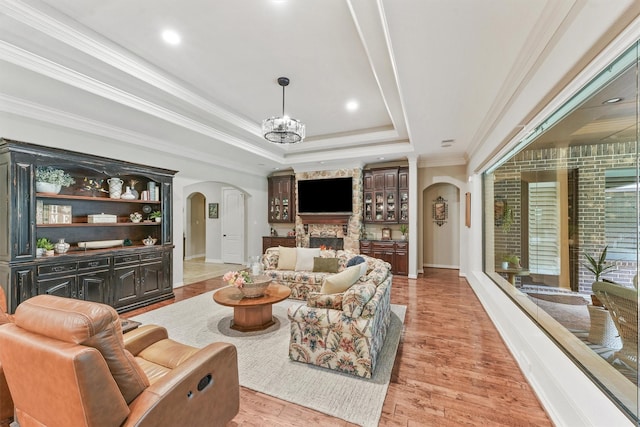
(232, 216)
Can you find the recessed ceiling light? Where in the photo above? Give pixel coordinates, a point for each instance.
(613, 100)
(352, 105)
(171, 37)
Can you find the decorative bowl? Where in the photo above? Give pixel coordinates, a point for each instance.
(257, 288)
(149, 241)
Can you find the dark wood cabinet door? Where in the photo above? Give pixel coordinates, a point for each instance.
(381, 199)
(281, 199)
(23, 286)
(93, 286)
(401, 261)
(22, 218)
(365, 248)
(126, 284)
(378, 180)
(367, 181)
(167, 262)
(59, 286)
(152, 278)
(391, 179)
(403, 179)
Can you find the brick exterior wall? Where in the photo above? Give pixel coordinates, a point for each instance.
(591, 161)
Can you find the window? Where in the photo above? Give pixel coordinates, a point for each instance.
(621, 221)
(544, 228)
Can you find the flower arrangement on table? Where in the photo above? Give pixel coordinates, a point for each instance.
(237, 278)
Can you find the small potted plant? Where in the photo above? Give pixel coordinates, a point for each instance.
(403, 231)
(50, 180)
(156, 216)
(598, 266)
(44, 247)
(510, 261)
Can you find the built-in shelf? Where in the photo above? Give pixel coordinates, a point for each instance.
(94, 199)
(100, 224)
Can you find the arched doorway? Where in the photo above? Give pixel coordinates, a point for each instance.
(441, 226)
(195, 227)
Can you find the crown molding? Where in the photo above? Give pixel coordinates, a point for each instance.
(112, 55)
(50, 116)
(73, 78)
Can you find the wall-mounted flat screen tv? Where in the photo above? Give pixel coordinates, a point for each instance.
(330, 195)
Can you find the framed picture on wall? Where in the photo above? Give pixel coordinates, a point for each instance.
(213, 210)
(386, 234)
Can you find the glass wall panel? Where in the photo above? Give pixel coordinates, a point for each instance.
(562, 223)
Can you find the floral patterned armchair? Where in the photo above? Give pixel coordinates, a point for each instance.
(344, 332)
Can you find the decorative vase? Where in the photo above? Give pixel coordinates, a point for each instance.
(133, 189)
(505, 265)
(48, 188)
(61, 247)
(49, 252)
(257, 288)
(39, 252)
(158, 219)
(127, 195)
(115, 187)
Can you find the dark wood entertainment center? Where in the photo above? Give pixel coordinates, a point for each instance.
(126, 276)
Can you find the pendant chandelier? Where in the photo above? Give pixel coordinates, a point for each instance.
(283, 129)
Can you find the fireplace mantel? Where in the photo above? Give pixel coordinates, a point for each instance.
(328, 218)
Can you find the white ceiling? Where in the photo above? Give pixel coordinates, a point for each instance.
(423, 71)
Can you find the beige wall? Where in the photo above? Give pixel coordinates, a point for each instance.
(456, 178)
(196, 242)
(441, 243)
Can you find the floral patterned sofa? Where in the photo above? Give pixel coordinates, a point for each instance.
(304, 282)
(341, 331)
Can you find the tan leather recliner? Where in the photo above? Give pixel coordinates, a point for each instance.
(68, 364)
(6, 403)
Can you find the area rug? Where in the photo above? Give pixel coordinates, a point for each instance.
(264, 364)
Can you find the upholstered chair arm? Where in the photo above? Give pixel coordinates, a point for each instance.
(140, 338)
(327, 318)
(203, 390)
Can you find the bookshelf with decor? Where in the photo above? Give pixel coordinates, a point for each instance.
(102, 218)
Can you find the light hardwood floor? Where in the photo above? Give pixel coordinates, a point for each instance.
(452, 367)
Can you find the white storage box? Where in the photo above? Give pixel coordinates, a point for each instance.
(101, 218)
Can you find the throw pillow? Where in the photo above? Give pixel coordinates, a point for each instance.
(325, 265)
(287, 258)
(363, 269)
(304, 258)
(340, 282)
(355, 261)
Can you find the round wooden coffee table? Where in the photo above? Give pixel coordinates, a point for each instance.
(251, 314)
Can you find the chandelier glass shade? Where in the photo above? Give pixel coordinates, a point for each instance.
(283, 129)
